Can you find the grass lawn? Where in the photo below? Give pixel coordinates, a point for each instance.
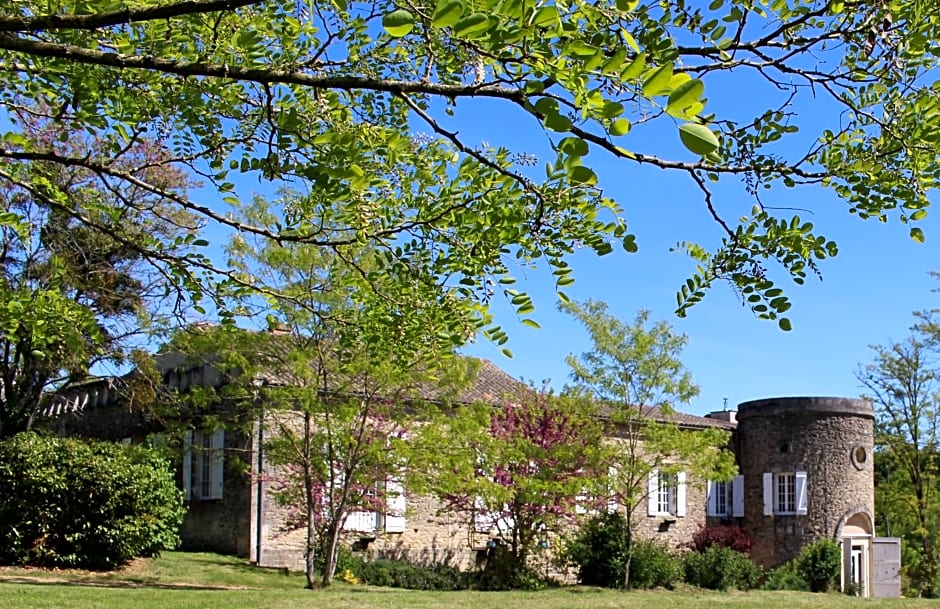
(208, 581)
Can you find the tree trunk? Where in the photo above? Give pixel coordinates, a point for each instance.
(629, 539)
(329, 562)
(311, 507)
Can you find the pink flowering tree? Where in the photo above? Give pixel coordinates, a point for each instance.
(519, 471)
(333, 457)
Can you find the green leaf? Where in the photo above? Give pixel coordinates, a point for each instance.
(583, 175)
(685, 95)
(558, 122)
(545, 16)
(629, 244)
(447, 13)
(573, 146)
(531, 323)
(657, 81)
(785, 324)
(919, 215)
(619, 127)
(471, 25)
(398, 23)
(635, 68)
(698, 138)
(917, 234)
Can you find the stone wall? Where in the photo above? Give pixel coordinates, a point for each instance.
(431, 536)
(221, 525)
(831, 439)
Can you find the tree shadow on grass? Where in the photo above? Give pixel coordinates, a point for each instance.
(114, 583)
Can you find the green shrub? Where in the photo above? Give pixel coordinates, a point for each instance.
(653, 566)
(785, 577)
(72, 503)
(720, 568)
(600, 551)
(400, 574)
(818, 563)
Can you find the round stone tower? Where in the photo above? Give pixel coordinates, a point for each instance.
(807, 466)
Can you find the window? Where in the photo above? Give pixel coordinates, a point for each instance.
(785, 497)
(785, 493)
(726, 499)
(203, 464)
(666, 494)
(718, 499)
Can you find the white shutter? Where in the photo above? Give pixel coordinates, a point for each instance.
(801, 500)
(612, 504)
(680, 494)
(188, 465)
(362, 522)
(396, 505)
(652, 492)
(768, 494)
(711, 498)
(737, 496)
(482, 518)
(217, 464)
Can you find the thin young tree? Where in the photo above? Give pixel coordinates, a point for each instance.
(635, 373)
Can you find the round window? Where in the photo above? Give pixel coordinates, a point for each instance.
(859, 456)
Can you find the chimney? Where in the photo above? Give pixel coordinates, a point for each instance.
(731, 416)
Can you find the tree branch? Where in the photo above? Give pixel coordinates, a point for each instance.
(126, 15)
(87, 56)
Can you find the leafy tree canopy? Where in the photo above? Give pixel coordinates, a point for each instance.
(325, 94)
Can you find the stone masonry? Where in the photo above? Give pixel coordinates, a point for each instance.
(831, 439)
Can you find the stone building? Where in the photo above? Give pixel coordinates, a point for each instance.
(805, 474)
(807, 468)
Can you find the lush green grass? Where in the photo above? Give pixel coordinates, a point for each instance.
(205, 581)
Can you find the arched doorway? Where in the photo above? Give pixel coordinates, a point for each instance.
(855, 535)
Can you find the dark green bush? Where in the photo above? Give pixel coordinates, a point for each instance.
(599, 551)
(72, 503)
(720, 568)
(400, 574)
(653, 566)
(819, 563)
(785, 577)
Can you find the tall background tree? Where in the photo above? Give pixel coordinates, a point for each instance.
(634, 373)
(901, 382)
(75, 289)
(325, 94)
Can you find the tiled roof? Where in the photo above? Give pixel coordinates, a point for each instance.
(682, 419)
(490, 384)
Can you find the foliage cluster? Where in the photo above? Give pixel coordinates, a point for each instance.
(785, 577)
(498, 573)
(600, 551)
(70, 503)
(401, 574)
(819, 564)
(723, 536)
(902, 384)
(720, 568)
(516, 469)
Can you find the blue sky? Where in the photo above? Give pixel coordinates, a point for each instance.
(867, 294)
